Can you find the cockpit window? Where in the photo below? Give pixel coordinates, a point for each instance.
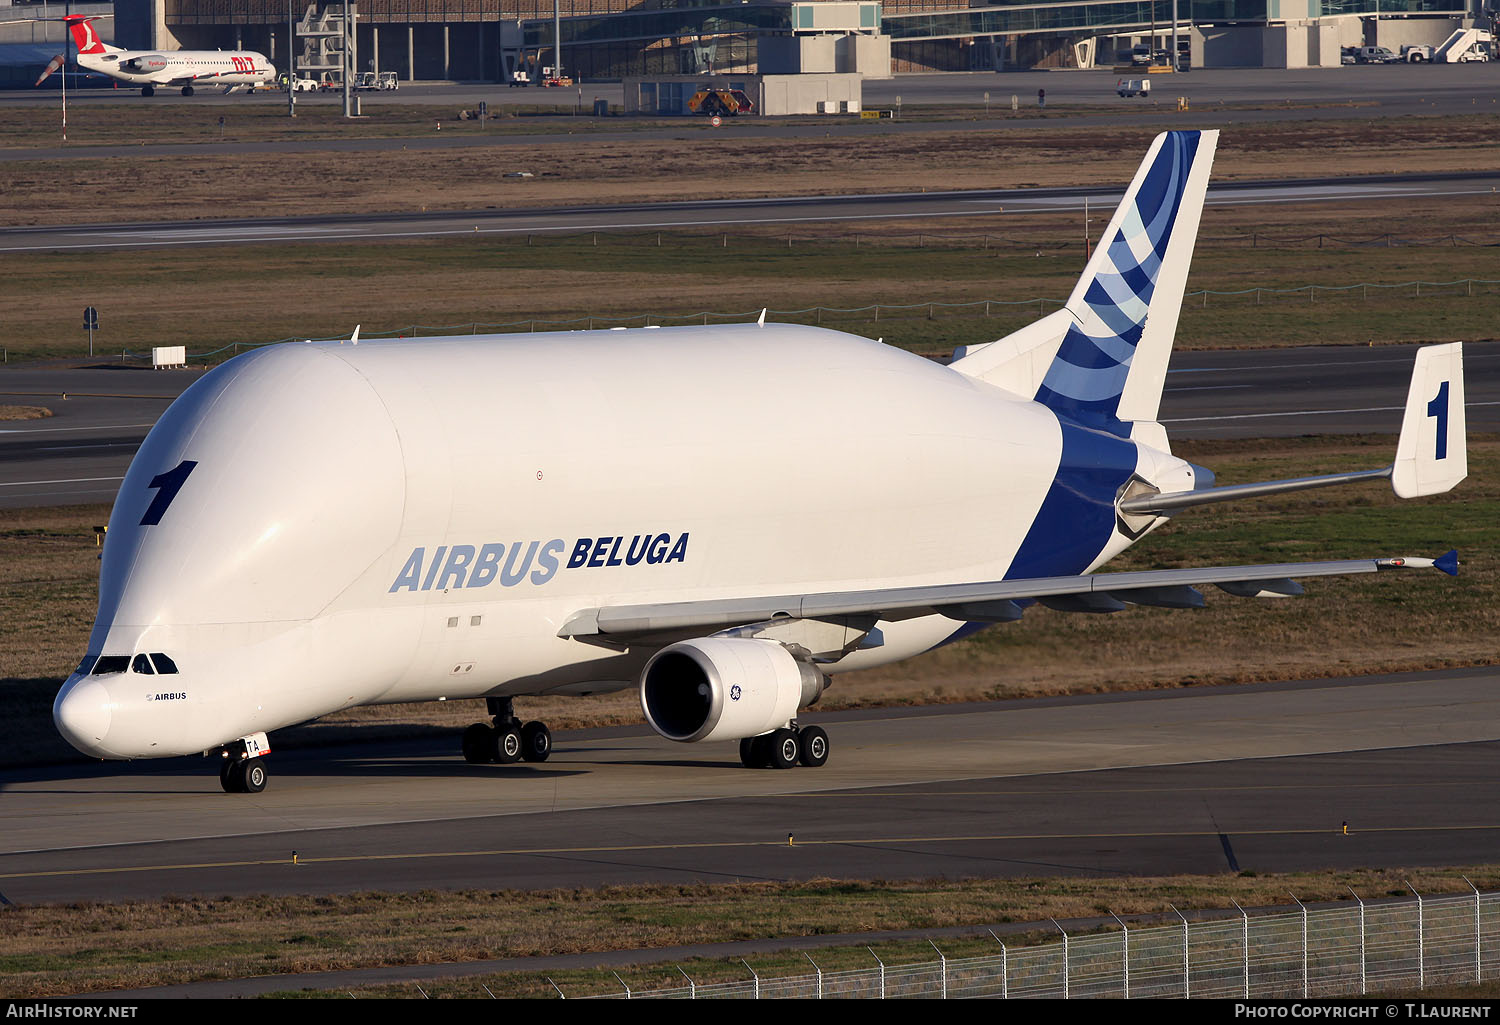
(163, 664)
(85, 665)
(111, 664)
(142, 664)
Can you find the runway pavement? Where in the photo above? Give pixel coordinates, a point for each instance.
(1253, 778)
(995, 204)
(1304, 93)
(81, 453)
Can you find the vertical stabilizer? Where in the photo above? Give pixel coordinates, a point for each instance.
(85, 38)
(1112, 360)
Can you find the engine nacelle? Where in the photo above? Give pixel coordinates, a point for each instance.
(725, 688)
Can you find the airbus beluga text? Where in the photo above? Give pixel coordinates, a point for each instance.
(721, 517)
(149, 69)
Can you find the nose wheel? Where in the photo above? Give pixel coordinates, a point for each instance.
(242, 769)
(505, 739)
(246, 776)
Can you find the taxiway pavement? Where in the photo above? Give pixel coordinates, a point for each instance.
(993, 205)
(1204, 780)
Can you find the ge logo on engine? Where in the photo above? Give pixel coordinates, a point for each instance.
(734, 693)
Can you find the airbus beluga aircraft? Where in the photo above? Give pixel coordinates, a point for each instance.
(149, 69)
(721, 517)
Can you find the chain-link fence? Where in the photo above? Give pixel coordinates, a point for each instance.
(1356, 948)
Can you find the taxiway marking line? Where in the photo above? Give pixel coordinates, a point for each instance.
(59, 430)
(1304, 412)
(74, 480)
(305, 860)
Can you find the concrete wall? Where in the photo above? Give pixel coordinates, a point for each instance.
(1229, 46)
(865, 55)
(1309, 43)
(773, 94)
(1396, 33)
(802, 94)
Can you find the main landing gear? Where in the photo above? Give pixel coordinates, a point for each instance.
(147, 90)
(242, 769)
(785, 748)
(505, 739)
(187, 90)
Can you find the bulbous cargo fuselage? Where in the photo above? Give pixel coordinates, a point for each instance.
(315, 526)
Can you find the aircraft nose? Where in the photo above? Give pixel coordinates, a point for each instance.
(82, 714)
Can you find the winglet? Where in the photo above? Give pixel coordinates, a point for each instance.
(1432, 455)
(761, 320)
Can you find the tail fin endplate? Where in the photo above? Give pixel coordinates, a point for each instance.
(1432, 454)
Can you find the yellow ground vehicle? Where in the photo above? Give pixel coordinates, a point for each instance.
(725, 102)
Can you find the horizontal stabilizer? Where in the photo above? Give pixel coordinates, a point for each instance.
(1431, 455)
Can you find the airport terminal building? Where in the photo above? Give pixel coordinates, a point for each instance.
(485, 40)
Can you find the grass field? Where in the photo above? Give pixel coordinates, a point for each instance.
(212, 299)
(688, 160)
(53, 950)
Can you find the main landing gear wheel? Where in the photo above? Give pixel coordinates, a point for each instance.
(243, 776)
(146, 90)
(784, 748)
(187, 90)
(814, 746)
(536, 742)
(505, 745)
(476, 743)
(504, 739)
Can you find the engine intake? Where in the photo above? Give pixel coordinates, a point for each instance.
(725, 688)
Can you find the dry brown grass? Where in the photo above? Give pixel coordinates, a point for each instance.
(324, 289)
(49, 950)
(24, 412)
(697, 162)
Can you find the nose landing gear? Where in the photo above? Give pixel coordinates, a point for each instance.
(242, 769)
(505, 739)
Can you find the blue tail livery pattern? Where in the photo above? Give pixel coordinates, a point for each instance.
(1088, 374)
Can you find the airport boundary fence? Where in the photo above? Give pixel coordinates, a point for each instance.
(873, 314)
(1355, 948)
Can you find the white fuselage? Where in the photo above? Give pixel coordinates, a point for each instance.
(182, 67)
(405, 520)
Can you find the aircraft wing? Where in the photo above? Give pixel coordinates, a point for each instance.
(994, 601)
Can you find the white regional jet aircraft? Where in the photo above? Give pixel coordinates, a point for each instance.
(149, 69)
(721, 517)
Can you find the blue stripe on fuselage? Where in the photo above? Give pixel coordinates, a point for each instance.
(1077, 518)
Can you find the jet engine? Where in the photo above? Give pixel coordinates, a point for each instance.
(725, 688)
